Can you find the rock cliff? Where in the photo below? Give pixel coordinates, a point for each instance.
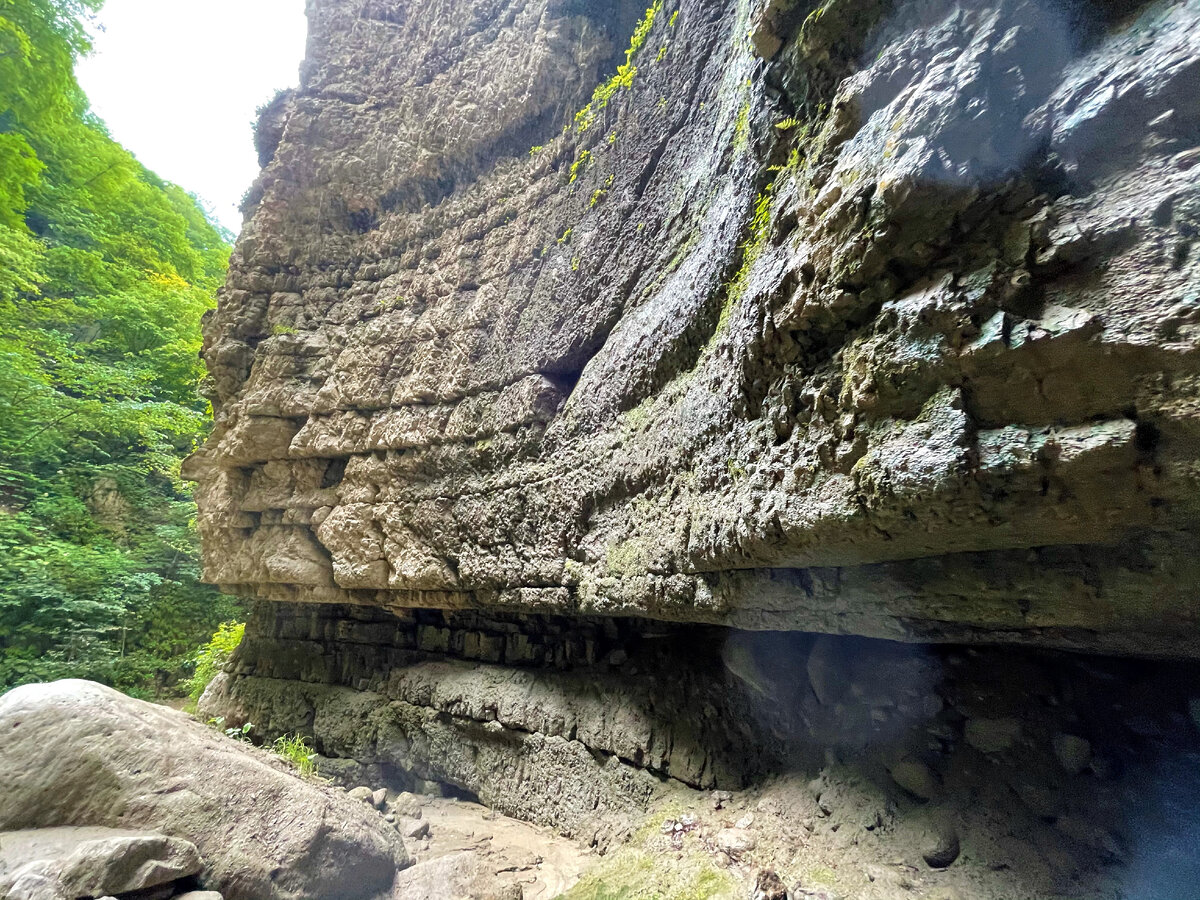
(863, 318)
(575, 356)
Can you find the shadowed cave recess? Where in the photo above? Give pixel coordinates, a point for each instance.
(724, 396)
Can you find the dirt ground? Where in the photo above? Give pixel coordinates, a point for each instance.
(469, 851)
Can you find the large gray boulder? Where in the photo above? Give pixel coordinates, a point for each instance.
(71, 862)
(78, 753)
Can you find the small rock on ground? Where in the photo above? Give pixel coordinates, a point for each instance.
(1073, 752)
(735, 840)
(945, 851)
(992, 735)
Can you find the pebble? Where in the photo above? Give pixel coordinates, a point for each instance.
(992, 735)
(720, 798)
(1074, 753)
(916, 778)
(412, 828)
(769, 886)
(735, 840)
(360, 793)
(825, 804)
(379, 798)
(945, 851)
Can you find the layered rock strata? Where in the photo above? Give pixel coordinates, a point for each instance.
(867, 318)
(1056, 775)
(564, 337)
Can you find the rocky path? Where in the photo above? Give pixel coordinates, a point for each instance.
(463, 849)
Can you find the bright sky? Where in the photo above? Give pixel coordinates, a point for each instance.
(178, 82)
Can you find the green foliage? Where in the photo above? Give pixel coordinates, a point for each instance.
(599, 194)
(760, 224)
(741, 128)
(623, 79)
(238, 734)
(295, 749)
(579, 165)
(105, 271)
(212, 656)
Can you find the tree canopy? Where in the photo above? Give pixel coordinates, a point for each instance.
(105, 272)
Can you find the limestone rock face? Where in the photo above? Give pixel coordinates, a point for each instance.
(79, 754)
(873, 318)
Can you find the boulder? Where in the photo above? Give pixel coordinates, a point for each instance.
(992, 735)
(916, 778)
(71, 862)
(79, 753)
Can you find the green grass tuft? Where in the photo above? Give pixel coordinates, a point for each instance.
(586, 117)
(295, 749)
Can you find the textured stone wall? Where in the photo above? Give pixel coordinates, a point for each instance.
(1060, 775)
(866, 318)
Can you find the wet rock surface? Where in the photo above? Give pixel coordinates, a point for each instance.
(916, 750)
(878, 322)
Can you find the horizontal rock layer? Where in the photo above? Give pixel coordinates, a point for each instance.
(1063, 775)
(874, 318)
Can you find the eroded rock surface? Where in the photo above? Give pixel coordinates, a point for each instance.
(76, 753)
(1056, 774)
(559, 387)
(68, 862)
(879, 321)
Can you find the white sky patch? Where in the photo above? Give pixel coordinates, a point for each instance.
(178, 83)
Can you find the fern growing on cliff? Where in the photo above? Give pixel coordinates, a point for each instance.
(623, 79)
